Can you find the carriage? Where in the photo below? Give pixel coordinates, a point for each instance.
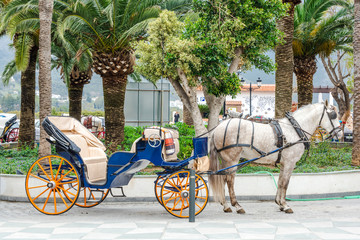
(9, 129)
(81, 174)
(95, 125)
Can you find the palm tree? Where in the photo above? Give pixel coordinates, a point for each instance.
(75, 70)
(25, 42)
(356, 42)
(108, 28)
(284, 58)
(313, 35)
(45, 16)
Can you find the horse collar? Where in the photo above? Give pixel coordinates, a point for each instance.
(298, 130)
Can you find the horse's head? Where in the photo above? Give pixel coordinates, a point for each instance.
(330, 122)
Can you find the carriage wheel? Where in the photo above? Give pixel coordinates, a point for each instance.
(52, 185)
(157, 187)
(90, 197)
(101, 135)
(175, 194)
(13, 135)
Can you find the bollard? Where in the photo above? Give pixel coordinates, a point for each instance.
(192, 196)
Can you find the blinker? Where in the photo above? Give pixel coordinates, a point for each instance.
(332, 115)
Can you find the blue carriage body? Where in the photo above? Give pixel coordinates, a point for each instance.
(122, 166)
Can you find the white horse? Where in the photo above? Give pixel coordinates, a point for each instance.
(234, 139)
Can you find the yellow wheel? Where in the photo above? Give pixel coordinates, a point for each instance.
(175, 194)
(52, 185)
(90, 197)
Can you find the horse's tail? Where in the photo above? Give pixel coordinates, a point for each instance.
(217, 182)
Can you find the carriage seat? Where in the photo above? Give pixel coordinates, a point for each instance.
(175, 134)
(94, 158)
(92, 149)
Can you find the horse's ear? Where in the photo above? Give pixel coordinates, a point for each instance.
(326, 103)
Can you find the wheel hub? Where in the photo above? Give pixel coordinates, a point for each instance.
(51, 184)
(184, 194)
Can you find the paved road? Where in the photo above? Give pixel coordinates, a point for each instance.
(335, 219)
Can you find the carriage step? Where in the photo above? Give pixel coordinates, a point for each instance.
(92, 199)
(122, 194)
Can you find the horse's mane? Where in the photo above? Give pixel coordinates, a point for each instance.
(305, 107)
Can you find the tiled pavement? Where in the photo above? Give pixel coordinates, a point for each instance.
(333, 220)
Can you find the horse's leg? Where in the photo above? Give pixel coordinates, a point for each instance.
(230, 181)
(223, 202)
(283, 183)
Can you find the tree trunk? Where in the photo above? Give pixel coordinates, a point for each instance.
(215, 104)
(304, 69)
(114, 99)
(75, 97)
(187, 119)
(189, 101)
(284, 59)
(356, 43)
(45, 16)
(27, 114)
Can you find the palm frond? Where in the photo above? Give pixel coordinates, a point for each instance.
(9, 71)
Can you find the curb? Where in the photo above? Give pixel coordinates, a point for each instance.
(247, 187)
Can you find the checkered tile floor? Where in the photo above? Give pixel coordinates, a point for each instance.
(338, 219)
(345, 228)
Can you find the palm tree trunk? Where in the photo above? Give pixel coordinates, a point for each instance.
(284, 59)
(114, 99)
(187, 118)
(45, 15)
(304, 69)
(356, 42)
(75, 97)
(27, 114)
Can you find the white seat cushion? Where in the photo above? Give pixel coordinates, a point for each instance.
(94, 158)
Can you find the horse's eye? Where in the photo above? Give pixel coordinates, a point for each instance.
(332, 115)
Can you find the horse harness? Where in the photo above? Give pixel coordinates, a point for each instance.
(279, 136)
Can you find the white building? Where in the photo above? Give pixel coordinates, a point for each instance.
(262, 100)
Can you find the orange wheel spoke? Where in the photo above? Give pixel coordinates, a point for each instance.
(175, 204)
(200, 189)
(43, 171)
(166, 201)
(197, 205)
(38, 178)
(62, 198)
(72, 169)
(85, 196)
(174, 186)
(182, 206)
(57, 173)
(75, 181)
(37, 187)
(51, 170)
(40, 194)
(47, 199)
(67, 191)
(200, 197)
(55, 201)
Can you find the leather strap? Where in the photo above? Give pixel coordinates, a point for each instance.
(298, 130)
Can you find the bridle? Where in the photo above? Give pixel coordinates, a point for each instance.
(332, 115)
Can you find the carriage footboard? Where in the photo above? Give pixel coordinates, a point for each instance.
(124, 177)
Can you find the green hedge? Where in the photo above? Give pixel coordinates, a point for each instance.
(321, 158)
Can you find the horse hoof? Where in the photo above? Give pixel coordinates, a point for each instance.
(228, 210)
(289, 210)
(240, 211)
